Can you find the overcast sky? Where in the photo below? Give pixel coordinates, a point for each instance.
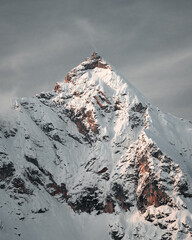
(148, 41)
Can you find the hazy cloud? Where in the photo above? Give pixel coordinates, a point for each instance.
(149, 42)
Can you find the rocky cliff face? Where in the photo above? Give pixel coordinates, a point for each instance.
(94, 150)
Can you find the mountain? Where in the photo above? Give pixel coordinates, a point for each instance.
(93, 159)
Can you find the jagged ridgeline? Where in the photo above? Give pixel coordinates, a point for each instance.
(93, 159)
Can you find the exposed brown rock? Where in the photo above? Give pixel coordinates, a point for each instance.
(100, 105)
(91, 121)
(102, 170)
(94, 56)
(152, 195)
(56, 189)
(109, 207)
(57, 88)
(102, 65)
(121, 195)
(79, 118)
(87, 202)
(19, 186)
(94, 61)
(67, 78)
(106, 99)
(123, 204)
(82, 118)
(70, 75)
(142, 164)
(80, 126)
(152, 192)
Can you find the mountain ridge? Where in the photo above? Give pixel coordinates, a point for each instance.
(97, 149)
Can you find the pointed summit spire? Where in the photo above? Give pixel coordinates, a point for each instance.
(95, 56)
(95, 61)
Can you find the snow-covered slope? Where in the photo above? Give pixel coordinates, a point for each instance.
(93, 159)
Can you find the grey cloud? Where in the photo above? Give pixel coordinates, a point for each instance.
(149, 42)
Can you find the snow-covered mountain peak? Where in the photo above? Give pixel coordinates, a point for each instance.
(93, 76)
(94, 150)
(95, 61)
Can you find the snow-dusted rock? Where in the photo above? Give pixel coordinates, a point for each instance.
(93, 159)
